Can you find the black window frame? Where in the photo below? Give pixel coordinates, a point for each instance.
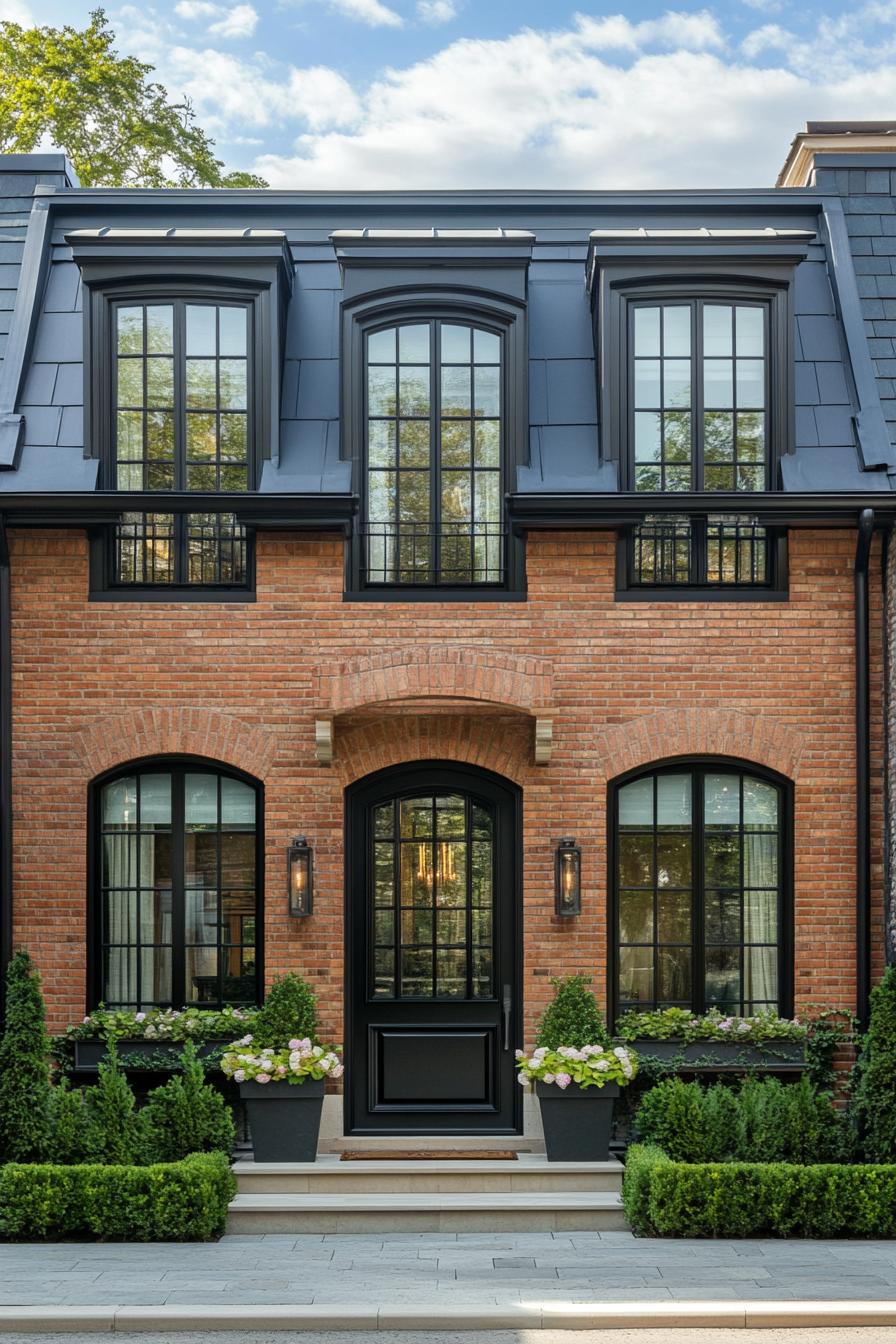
(503, 317)
(105, 299)
(177, 766)
(628, 288)
(699, 766)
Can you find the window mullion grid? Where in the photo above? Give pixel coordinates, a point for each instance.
(740, 857)
(698, 875)
(435, 448)
(468, 890)
(656, 899)
(697, 395)
(178, 899)
(138, 903)
(219, 896)
(180, 525)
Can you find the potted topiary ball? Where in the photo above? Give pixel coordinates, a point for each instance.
(577, 1074)
(281, 1067)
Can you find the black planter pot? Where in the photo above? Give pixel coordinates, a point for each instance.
(284, 1119)
(576, 1121)
(159, 1055)
(711, 1056)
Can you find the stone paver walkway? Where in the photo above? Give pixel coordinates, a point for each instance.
(460, 1270)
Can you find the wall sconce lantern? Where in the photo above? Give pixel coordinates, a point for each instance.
(567, 878)
(300, 877)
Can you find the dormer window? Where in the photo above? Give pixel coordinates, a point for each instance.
(699, 399)
(434, 455)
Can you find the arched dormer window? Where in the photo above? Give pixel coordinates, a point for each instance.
(434, 454)
(701, 889)
(176, 910)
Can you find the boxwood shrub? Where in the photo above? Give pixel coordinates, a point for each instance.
(756, 1199)
(174, 1201)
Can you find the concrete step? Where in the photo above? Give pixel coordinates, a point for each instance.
(386, 1143)
(460, 1211)
(328, 1175)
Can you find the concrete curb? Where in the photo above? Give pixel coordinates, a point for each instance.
(433, 1316)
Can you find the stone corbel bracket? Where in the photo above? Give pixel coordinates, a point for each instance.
(323, 741)
(544, 739)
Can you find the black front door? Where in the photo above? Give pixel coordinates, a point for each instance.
(432, 1014)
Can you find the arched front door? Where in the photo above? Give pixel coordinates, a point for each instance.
(433, 953)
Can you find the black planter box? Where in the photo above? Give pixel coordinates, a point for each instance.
(91, 1053)
(697, 1056)
(284, 1119)
(576, 1121)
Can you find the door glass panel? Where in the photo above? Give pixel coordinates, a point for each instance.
(441, 944)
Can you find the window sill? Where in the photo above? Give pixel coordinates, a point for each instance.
(172, 594)
(687, 594)
(411, 594)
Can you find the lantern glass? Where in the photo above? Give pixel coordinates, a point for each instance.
(568, 878)
(300, 872)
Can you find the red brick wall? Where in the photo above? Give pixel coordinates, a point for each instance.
(102, 683)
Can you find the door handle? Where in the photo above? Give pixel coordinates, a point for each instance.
(507, 1006)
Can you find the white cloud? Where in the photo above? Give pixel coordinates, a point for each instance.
(559, 108)
(371, 12)
(765, 6)
(241, 21)
(436, 11)
(238, 21)
(196, 9)
(770, 37)
(13, 11)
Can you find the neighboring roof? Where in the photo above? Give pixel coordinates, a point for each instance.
(853, 137)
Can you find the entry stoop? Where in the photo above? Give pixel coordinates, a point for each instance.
(527, 1195)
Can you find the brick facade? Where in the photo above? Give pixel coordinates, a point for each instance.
(96, 684)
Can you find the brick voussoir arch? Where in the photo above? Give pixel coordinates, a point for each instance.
(460, 672)
(501, 747)
(120, 738)
(699, 732)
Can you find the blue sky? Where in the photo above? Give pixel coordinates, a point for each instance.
(480, 93)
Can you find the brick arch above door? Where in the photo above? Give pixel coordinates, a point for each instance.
(699, 732)
(453, 673)
(117, 739)
(501, 743)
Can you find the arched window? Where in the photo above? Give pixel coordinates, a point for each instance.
(434, 449)
(177, 892)
(701, 889)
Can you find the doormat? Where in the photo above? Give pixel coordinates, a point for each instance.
(428, 1155)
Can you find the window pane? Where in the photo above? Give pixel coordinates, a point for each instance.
(488, 391)
(760, 803)
(676, 330)
(636, 860)
(237, 803)
(750, 383)
(413, 390)
(488, 443)
(456, 390)
(456, 344)
(718, 385)
(636, 916)
(381, 347)
(673, 800)
(677, 383)
(750, 324)
(722, 794)
(160, 330)
(673, 909)
(761, 917)
(201, 339)
(636, 974)
(647, 383)
(673, 965)
(636, 803)
(130, 382)
(381, 439)
(413, 344)
(120, 802)
(201, 800)
(130, 331)
(717, 330)
(233, 383)
(647, 332)
(233, 330)
(486, 347)
(647, 436)
(381, 390)
(155, 800)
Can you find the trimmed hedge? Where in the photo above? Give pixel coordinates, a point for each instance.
(176, 1201)
(756, 1199)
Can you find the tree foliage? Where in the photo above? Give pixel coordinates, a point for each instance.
(24, 1066)
(875, 1095)
(572, 1017)
(69, 87)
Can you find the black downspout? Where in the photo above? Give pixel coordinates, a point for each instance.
(863, 769)
(5, 763)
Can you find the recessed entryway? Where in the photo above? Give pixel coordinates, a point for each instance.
(433, 951)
